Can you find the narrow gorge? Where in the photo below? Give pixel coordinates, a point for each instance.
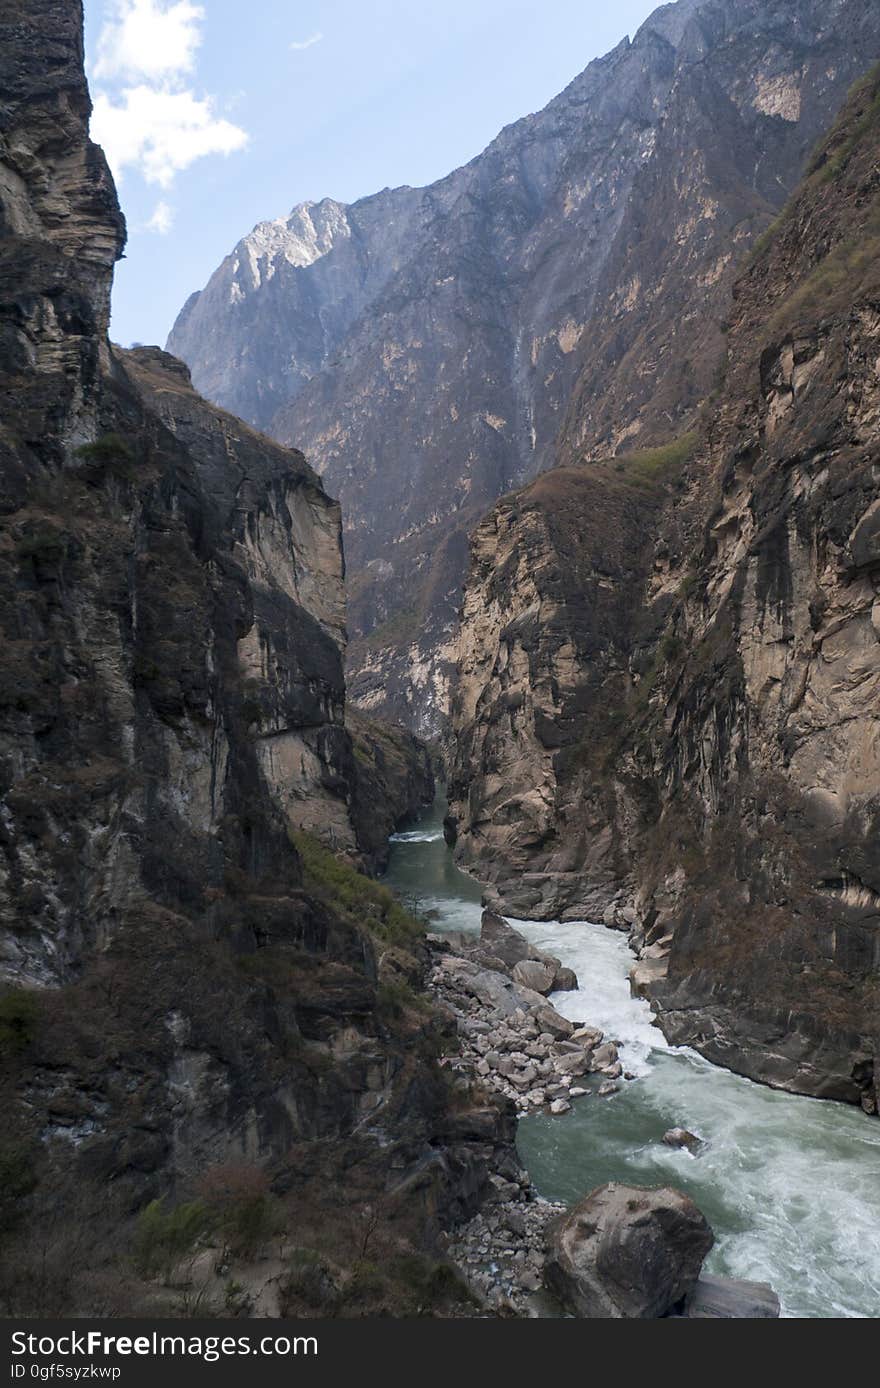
(207, 1013)
(440, 713)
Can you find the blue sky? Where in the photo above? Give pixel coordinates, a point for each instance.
(216, 115)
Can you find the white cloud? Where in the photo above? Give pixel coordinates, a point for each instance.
(162, 219)
(160, 132)
(148, 39)
(300, 45)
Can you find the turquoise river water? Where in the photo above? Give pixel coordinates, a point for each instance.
(790, 1185)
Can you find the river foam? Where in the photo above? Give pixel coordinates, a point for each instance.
(790, 1185)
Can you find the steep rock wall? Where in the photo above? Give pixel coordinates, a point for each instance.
(424, 346)
(177, 990)
(739, 773)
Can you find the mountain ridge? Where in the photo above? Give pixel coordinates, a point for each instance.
(436, 355)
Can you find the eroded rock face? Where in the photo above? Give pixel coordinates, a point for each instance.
(627, 1253)
(394, 780)
(727, 722)
(171, 709)
(423, 345)
(550, 614)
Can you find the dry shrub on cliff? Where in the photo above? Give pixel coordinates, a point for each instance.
(240, 1205)
(837, 280)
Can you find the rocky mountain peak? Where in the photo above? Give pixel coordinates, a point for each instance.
(562, 295)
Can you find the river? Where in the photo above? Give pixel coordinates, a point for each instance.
(791, 1186)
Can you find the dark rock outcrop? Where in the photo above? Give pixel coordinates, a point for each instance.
(425, 345)
(178, 992)
(393, 782)
(627, 1253)
(704, 766)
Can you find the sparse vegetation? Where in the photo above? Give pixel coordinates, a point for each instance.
(832, 157)
(162, 1238)
(835, 282)
(396, 996)
(109, 456)
(240, 1205)
(18, 1021)
(398, 628)
(309, 1282)
(652, 465)
(362, 900)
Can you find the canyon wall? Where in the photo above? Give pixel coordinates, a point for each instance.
(425, 346)
(668, 707)
(188, 977)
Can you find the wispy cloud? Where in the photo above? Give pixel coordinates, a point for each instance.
(299, 45)
(162, 219)
(147, 114)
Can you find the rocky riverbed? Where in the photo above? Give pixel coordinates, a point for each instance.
(512, 1039)
(523, 1255)
(513, 1042)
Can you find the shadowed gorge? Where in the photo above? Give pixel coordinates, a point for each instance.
(318, 816)
(195, 1025)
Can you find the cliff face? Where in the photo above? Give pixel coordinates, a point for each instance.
(424, 346)
(729, 729)
(182, 987)
(547, 627)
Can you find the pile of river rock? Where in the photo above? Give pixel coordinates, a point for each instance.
(620, 1252)
(511, 1037)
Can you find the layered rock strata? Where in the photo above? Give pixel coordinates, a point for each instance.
(668, 705)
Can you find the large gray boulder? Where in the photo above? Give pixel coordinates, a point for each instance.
(627, 1253)
(727, 1298)
(534, 974)
(500, 946)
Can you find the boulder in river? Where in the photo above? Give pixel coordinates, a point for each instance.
(534, 974)
(627, 1253)
(552, 1022)
(682, 1137)
(565, 981)
(726, 1298)
(500, 946)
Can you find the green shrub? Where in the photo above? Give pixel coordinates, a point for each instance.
(395, 997)
(17, 1179)
(161, 1239)
(670, 648)
(366, 902)
(367, 1283)
(109, 456)
(42, 539)
(18, 1021)
(430, 1283)
(308, 1282)
(651, 465)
